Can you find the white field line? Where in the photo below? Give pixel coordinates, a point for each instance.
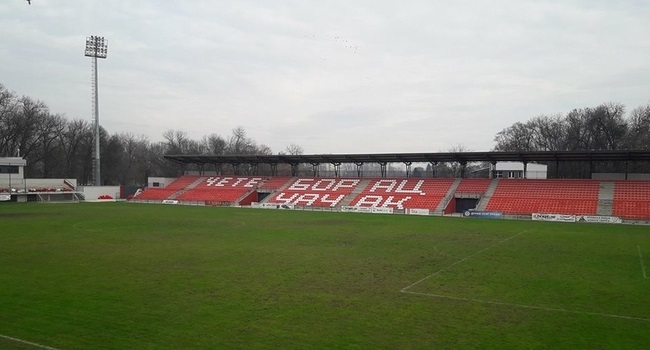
(533, 307)
(645, 275)
(40, 346)
(462, 260)
(530, 306)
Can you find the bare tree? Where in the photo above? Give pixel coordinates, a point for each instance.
(548, 133)
(134, 161)
(638, 136)
(9, 110)
(518, 137)
(293, 149)
(57, 147)
(75, 140)
(456, 169)
(603, 127)
(48, 155)
(177, 142)
(213, 144)
(240, 144)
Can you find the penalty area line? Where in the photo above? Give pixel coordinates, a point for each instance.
(645, 275)
(530, 306)
(40, 346)
(461, 260)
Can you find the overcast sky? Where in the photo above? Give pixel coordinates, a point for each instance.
(349, 76)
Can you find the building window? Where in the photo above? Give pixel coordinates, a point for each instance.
(8, 169)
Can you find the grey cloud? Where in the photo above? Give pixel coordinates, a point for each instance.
(339, 76)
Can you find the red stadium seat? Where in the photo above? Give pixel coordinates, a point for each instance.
(632, 199)
(275, 183)
(404, 193)
(317, 192)
(221, 188)
(156, 194)
(473, 186)
(557, 196)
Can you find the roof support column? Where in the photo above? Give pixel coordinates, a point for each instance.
(382, 168)
(463, 168)
(359, 169)
(525, 169)
(433, 168)
(337, 169)
(316, 169)
(274, 169)
(294, 169)
(493, 171)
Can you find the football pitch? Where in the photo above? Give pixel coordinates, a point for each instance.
(136, 276)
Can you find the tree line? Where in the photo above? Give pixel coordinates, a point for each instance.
(604, 127)
(58, 147)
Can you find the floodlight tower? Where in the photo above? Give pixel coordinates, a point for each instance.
(96, 47)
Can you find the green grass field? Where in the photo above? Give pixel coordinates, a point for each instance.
(134, 276)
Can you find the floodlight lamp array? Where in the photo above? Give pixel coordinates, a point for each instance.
(96, 46)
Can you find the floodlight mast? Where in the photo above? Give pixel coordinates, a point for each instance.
(96, 47)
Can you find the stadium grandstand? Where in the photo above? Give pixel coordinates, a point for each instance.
(14, 187)
(622, 195)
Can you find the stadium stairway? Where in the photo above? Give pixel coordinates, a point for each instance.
(448, 197)
(482, 204)
(605, 199)
(357, 191)
(277, 183)
(187, 188)
(289, 181)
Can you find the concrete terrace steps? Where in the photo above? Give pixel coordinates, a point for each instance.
(605, 199)
(357, 190)
(282, 188)
(449, 196)
(262, 185)
(187, 188)
(289, 182)
(482, 204)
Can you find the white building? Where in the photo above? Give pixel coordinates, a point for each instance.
(515, 170)
(14, 187)
(12, 173)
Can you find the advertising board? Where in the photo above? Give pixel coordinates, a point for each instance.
(415, 211)
(351, 209)
(554, 217)
(483, 214)
(601, 219)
